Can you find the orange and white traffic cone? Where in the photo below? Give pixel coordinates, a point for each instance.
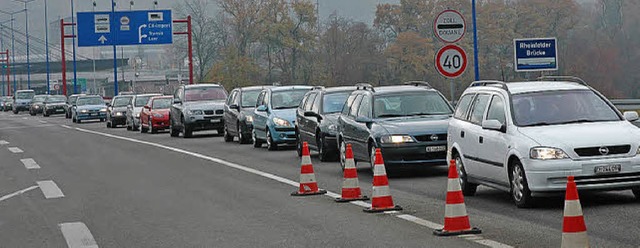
(574, 231)
(308, 184)
(456, 220)
(350, 186)
(381, 199)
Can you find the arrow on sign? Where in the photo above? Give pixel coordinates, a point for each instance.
(102, 39)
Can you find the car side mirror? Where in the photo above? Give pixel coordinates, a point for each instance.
(364, 119)
(261, 108)
(147, 107)
(492, 125)
(108, 104)
(631, 115)
(177, 101)
(234, 106)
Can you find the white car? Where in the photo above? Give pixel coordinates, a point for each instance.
(527, 137)
(134, 108)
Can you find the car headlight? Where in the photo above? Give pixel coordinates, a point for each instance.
(281, 122)
(196, 112)
(158, 115)
(137, 115)
(37, 106)
(118, 113)
(333, 128)
(249, 119)
(396, 139)
(546, 153)
(103, 110)
(84, 111)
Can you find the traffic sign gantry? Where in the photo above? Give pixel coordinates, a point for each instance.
(537, 54)
(141, 27)
(451, 61)
(449, 26)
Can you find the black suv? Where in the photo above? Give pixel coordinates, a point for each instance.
(317, 119)
(238, 113)
(407, 122)
(197, 107)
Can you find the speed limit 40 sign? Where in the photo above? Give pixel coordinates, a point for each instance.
(451, 61)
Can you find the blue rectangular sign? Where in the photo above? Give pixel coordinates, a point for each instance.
(538, 54)
(144, 27)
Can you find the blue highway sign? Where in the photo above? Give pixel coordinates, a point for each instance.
(145, 27)
(538, 54)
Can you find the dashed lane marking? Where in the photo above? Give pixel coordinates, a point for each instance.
(77, 235)
(3, 142)
(43, 122)
(29, 163)
(19, 192)
(25, 127)
(50, 189)
(410, 218)
(15, 150)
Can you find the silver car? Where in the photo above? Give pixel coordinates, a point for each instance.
(134, 108)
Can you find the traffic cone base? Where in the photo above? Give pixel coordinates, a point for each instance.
(456, 219)
(308, 184)
(379, 210)
(362, 198)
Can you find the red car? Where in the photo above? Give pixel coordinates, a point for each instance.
(155, 114)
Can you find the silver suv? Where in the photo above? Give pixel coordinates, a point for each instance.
(527, 137)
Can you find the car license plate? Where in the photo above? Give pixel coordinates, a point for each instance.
(606, 169)
(436, 148)
(215, 120)
(59, 110)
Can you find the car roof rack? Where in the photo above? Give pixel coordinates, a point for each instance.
(573, 79)
(364, 86)
(418, 83)
(318, 87)
(495, 83)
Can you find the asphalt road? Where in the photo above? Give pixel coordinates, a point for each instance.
(150, 190)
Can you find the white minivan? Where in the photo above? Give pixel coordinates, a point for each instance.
(527, 137)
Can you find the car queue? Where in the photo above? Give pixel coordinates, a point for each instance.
(524, 138)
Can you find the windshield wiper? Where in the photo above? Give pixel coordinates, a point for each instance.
(537, 124)
(577, 121)
(390, 115)
(285, 107)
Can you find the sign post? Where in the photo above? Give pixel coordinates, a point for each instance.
(537, 54)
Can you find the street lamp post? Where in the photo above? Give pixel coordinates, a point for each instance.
(13, 50)
(26, 21)
(73, 32)
(46, 41)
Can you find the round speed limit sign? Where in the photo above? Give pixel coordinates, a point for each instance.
(451, 61)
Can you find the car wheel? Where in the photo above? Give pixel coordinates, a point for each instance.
(298, 145)
(153, 130)
(173, 132)
(519, 187)
(271, 146)
(73, 119)
(15, 112)
(109, 125)
(188, 131)
(468, 189)
(44, 114)
(636, 192)
(78, 121)
(242, 139)
(32, 113)
(134, 127)
(372, 156)
(143, 129)
(221, 131)
(227, 136)
(257, 143)
(323, 154)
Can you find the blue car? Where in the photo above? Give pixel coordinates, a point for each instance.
(275, 115)
(89, 108)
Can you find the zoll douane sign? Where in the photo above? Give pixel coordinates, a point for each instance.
(449, 26)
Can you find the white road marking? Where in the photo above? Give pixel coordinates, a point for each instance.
(15, 150)
(19, 192)
(43, 122)
(3, 142)
(77, 235)
(411, 218)
(50, 189)
(67, 127)
(25, 127)
(25, 118)
(29, 163)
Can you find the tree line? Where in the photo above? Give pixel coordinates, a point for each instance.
(251, 42)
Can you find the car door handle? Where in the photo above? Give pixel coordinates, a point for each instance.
(461, 134)
(481, 139)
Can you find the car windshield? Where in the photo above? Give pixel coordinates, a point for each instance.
(205, 94)
(162, 103)
(39, 98)
(122, 101)
(90, 101)
(561, 107)
(333, 102)
(56, 99)
(142, 100)
(25, 95)
(287, 99)
(410, 104)
(249, 98)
